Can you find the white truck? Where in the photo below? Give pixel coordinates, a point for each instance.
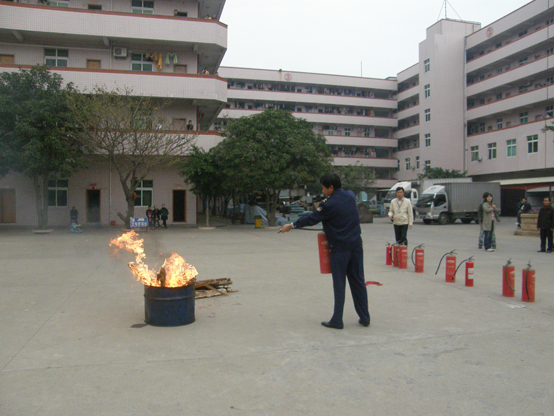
(451, 201)
(413, 189)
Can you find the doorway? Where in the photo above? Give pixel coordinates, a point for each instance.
(93, 205)
(7, 205)
(179, 206)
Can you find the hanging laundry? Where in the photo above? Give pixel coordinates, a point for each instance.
(169, 56)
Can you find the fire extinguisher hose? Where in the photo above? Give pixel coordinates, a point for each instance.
(446, 254)
(413, 251)
(462, 262)
(527, 279)
(506, 275)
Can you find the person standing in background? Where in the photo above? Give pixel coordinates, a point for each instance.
(401, 214)
(545, 223)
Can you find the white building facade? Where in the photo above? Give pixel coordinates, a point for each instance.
(156, 48)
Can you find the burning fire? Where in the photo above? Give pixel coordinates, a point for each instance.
(175, 272)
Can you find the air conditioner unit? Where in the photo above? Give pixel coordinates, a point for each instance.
(120, 52)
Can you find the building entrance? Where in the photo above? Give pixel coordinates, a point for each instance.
(179, 206)
(7, 205)
(93, 205)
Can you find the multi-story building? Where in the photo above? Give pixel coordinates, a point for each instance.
(431, 102)
(356, 115)
(158, 48)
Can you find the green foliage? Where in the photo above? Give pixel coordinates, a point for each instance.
(356, 178)
(440, 173)
(270, 152)
(38, 134)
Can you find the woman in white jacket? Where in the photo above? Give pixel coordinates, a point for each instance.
(402, 216)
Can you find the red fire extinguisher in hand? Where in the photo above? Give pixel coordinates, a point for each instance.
(324, 255)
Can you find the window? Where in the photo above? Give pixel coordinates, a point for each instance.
(417, 162)
(427, 139)
(94, 6)
(550, 21)
(57, 193)
(427, 64)
(58, 3)
(499, 123)
(367, 131)
(523, 88)
(523, 61)
(474, 153)
(549, 111)
(499, 96)
(139, 62)
(511, 147)
(492, 150)
(347, 131)
(408, 167)
(144, 193)
(499, 70)
(427, 163)
(56, 57)
(481, 127)
(533, 143)
(523, 117)
(142, 6)
(428, 115)
(520, 34)
(550, 51)
(427, 90)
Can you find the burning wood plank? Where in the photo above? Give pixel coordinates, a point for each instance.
(213, 287)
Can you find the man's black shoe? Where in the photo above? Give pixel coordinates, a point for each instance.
(332, 325)
(541, 251)
(364, 323)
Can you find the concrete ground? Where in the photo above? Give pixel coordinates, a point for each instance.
(73, 339)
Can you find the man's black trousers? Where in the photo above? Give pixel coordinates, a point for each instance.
(349, 264)
(401, 233)
(546, 235)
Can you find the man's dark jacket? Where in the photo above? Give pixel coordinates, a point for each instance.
(341, 223)
(546, 218)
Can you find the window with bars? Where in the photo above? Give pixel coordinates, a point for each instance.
(492, 150)
(511, 148)
(533, 143)
(142, 6)
(57, 192)
(56, 57)
(144, 192)
(139, 62)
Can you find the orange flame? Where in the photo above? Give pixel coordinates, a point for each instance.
(175, 272)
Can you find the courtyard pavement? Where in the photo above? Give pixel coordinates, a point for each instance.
(73, 339)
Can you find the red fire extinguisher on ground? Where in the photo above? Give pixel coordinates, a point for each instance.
(324, 255)
(419, 258)
(508, 280)
(389, 255)
(469, 270)
(450, 266)
(403, 254)
(395, 255)
(528, 284)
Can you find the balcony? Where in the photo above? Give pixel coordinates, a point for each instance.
(526, 99)
(407, 132)
(509, 77)
(234, 113)
(509, 50)
(307, 98)
(408, 112)
(38, 25)
(412, 92)
(361, 141)
(365, 161)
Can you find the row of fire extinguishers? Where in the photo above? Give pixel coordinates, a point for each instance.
(397, 256)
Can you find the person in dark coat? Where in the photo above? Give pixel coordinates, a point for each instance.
(524, 207)
(164, 213)
(545, 223)
(341, 223)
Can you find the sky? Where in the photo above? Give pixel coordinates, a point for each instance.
(373, 38)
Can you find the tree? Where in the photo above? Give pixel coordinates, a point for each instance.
(133, 134)
(439, 173)
(37, 131)
(356, 178)
(270, 152)
(204, 173)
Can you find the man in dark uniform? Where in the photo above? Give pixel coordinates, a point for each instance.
(545, 223)
(341, 223)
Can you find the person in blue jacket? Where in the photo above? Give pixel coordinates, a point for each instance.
(341, 223)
